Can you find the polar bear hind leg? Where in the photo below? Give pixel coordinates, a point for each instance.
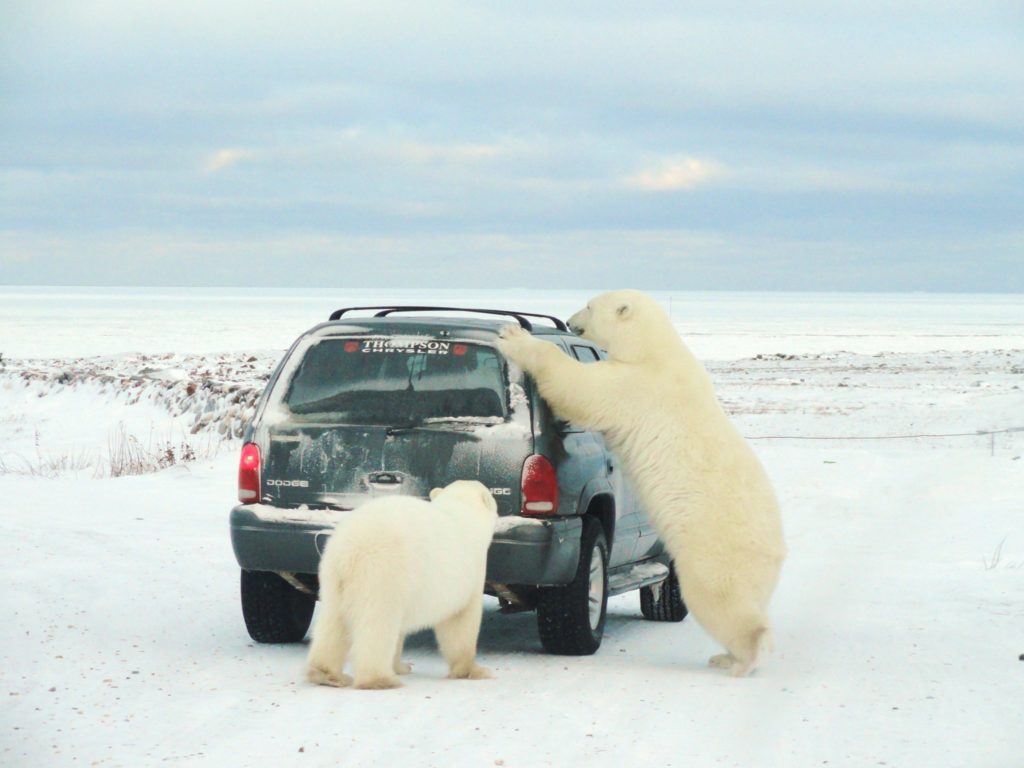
(329, 647)
(400, 667)
(752, 646)
(741, 627)
(374, 642)
(457, 637)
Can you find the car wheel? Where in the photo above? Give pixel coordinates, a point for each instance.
(274, 611)
(663, 602)
(571, 619)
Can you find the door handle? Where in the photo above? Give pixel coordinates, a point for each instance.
(385, 478)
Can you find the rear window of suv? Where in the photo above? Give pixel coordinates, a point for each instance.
(390, 380)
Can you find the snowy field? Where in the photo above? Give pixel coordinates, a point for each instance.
(890, 426)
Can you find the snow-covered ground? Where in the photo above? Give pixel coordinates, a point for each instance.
(899, 618)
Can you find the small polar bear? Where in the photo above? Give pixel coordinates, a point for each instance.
(701, 484)
(397, 565)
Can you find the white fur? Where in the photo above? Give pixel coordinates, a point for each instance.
(398, 565)
(699, 481)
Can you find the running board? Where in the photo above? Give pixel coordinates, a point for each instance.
(645, 574)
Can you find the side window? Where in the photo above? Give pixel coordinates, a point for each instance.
(585, 354)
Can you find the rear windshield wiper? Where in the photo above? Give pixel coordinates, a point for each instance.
(446, 424)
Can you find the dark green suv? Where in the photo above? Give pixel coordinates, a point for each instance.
(399, 402)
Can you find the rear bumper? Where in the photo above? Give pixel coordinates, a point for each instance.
(524, 551)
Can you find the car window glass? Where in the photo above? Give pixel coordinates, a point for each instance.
(585, 354)
(394, 381)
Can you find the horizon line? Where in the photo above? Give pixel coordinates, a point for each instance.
(385, 288)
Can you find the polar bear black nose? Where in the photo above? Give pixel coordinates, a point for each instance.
(577, 329)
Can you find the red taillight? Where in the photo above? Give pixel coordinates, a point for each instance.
(540, 487)
(249, 474)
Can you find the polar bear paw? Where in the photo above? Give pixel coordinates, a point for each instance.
(321, 676)
(735, 666)
(722, 661)
(378, 683)
(513, 342)
(512, 331)
(470, 672)
(402, 668)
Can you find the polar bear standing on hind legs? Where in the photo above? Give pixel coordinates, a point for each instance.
(701, 484)
(398, 565)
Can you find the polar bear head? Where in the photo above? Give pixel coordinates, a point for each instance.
(629, 324)
(469, 494)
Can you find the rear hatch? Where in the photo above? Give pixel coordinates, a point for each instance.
(358, 417)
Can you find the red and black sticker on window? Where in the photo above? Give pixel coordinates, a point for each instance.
(405, 347)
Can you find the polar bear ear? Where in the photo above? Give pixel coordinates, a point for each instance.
(435, 492)
(624, 311)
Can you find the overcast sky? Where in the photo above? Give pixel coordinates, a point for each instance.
(799, 144)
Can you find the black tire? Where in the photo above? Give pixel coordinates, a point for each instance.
(669, 606)
(564, 619)
(274, 611)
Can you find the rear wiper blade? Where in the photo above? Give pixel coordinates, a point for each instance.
(394, 429)
(446, 423)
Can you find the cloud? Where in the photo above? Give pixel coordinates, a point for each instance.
(224, 158)
(673, 174)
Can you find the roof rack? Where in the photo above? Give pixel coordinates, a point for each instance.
(519, 316)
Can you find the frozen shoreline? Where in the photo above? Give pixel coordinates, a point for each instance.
(838, 394)
(48, 322)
